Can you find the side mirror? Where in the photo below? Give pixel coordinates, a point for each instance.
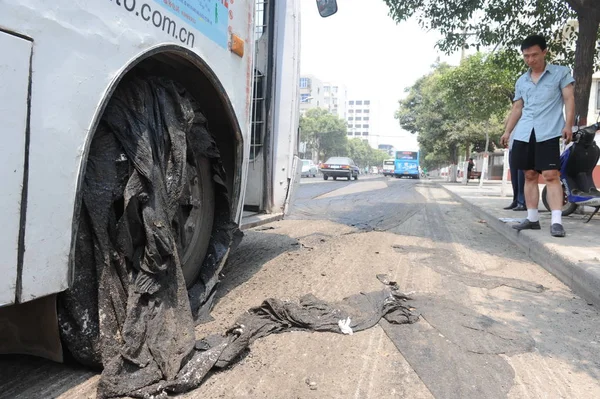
(327, 7)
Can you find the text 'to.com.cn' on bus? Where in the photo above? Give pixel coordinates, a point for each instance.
(157, 19)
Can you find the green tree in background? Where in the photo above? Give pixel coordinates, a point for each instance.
(359, 151)
(479, 94)
(323, 133)
(426, 112)
(456, 107)
(378, 157)
(325, 136)
(505, 23)
(364, 155)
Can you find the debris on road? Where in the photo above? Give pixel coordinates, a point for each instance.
(355, 313)
(399, 248)
(385, 279)
(511, 220)
(345, 326)
(264, 228)
(311, 384)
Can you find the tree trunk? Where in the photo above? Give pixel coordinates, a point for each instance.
(584, 63)
(455, 154)
(486, 158)
(487, 139)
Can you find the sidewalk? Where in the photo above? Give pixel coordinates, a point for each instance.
(574, 259)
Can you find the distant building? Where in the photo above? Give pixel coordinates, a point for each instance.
(312, 94)
(359, 118)
(335, 99)
(362, 118)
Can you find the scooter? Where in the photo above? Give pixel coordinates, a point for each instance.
(577, 162)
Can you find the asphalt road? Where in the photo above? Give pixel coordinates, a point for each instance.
(493, 323)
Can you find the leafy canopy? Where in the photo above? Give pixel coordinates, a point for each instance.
(323, 132)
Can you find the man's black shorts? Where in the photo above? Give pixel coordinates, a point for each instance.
(544, 155)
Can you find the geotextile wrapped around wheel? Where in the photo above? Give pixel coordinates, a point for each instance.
(128, 310)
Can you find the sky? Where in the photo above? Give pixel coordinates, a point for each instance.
(362, 47)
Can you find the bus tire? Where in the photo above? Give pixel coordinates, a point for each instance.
(325, 177)
(195, 245)
(191, 228)
(567, 208)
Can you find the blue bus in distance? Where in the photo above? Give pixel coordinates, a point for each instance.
(407, 164)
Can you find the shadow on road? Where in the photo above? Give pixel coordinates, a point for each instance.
(25, 377)
(256, 249)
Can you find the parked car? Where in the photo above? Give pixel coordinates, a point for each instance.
(340, 167)
(308, 168)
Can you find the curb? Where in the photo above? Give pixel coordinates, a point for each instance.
(580, 277)
(250, 222)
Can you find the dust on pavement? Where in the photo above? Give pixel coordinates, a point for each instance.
(335, 246)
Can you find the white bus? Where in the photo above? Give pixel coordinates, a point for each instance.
(388, 167)
(137, 117)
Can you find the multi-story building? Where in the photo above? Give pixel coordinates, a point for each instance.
(335, 99)
(360, 119)
(312, 93)
(315, 93)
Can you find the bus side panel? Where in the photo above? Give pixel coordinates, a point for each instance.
(14, 83)
(286, 102)
(79, 52)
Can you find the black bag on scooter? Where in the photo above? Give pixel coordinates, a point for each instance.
(582, 161)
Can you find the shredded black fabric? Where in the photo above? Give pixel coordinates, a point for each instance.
(129, 311)
(360, 312)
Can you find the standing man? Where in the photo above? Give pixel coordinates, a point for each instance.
(517, 178)
(538, 123)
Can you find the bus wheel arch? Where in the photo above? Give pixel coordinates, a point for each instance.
(194, 74)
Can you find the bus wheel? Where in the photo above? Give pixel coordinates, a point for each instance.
(146, 216)
(192, 225)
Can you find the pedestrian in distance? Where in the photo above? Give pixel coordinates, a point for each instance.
(517, 179)
(470, 166)
(538, 123)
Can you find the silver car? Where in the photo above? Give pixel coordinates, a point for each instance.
(308, 168)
